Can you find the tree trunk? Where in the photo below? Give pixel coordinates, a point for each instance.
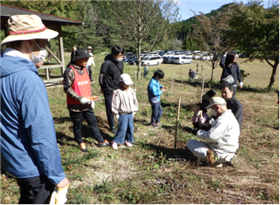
(272, 78)
(213, 71)
(274, 69)
(139, 61)
(139, 43)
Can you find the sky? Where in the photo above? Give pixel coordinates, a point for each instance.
(205, 6)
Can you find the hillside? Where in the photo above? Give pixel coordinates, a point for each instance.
(186, 27)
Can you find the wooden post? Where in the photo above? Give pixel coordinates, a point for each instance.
(202, 86)
(172, 79)
(61, 48)
(181, 76)
(135, 74)
(177, 123)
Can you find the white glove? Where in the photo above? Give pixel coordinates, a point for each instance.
(117, 117)
(59, 195)
(92, 105)
(133, 114)
(85, 101)
(241, 84)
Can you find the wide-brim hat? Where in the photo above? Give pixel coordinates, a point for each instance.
(27, 27)
(125, 78)
(216, 101)
(81, 53)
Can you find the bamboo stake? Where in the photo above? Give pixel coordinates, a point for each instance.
(177, 123)
(135, 74)
(172, 80)
(202, 86)
(181, 76)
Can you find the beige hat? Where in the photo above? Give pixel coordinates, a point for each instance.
(216, 101)
(27, 27)
(89, 48)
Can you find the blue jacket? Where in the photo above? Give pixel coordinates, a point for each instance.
(154, 91)
(28, 139)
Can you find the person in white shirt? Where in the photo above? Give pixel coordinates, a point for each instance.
(221, 141)
(124, 107)
(90, 62)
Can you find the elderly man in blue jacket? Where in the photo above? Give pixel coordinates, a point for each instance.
(29, 150)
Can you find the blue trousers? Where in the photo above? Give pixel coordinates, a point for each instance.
(156, 112)
(125, 129)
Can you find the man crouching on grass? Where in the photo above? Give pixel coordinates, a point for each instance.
(221, 141)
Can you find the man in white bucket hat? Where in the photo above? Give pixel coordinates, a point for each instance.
(221, 141)
(29, 150)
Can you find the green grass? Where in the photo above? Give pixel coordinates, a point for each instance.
(149, 172)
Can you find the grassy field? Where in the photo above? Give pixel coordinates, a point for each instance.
(152, 172)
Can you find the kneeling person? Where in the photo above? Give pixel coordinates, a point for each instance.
(77, 88)
(221, 139)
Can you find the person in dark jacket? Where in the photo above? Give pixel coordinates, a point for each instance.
(110, 73)
(29, 150)
(78, 90)
(231, 67)
(232, 103)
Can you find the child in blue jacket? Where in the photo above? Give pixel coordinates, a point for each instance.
(154, 92)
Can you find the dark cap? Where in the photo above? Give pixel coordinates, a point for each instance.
(81, 53)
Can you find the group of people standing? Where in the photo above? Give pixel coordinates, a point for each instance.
(29, 150)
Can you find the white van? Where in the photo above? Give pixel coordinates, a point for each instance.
(182, 60)
(152, 60)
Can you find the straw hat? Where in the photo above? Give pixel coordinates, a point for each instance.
(27, 27)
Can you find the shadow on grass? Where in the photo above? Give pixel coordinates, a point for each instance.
(216, 85)
(171, 153)
(61, 120)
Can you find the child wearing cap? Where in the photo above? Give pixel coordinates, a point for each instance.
(124, 107)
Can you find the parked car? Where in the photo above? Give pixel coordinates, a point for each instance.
(168, 59)
(132, 61)
(169, 53)
(196, 56)
(153, 60)
(182, 60)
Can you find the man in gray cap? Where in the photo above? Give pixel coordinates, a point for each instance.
(221, 141)
(29, 150)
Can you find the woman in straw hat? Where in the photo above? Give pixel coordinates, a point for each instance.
(29, 150)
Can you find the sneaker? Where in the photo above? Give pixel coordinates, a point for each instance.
(113, 130)
(158, 123)
(218, 165)
(128, 144)
(103, 144)
(154, 125)
(114, 145)
(83, 147)
(233, 161)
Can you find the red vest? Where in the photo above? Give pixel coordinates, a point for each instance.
(81, 86)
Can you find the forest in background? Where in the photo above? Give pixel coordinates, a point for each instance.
(251, 27)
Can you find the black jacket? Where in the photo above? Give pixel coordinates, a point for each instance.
(237, 109)
(110, 73)
(234, 70)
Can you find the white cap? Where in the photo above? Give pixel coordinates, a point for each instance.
(216, 101)
(125, 78)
